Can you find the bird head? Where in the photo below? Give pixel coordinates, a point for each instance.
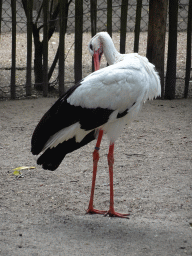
(96, 50)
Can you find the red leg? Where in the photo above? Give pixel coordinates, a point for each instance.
(111, 211)
(95, 161)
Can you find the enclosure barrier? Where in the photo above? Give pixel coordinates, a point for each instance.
(78, 16)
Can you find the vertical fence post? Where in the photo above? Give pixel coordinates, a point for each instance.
(172, 51)
(156, 36)
(29, 46)
(45, 47)
(0, 14)
(62, 47)
(124, 8)
(93, 17)
(188, 52)
(93, 22)
(13, 67)
(78, 39)
(109, 17)
(137, 25)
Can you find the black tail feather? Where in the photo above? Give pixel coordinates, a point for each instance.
(52, 157)
(59, 116)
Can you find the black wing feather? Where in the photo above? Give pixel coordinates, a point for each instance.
(52, 157)
(55, 119)
(62, 115)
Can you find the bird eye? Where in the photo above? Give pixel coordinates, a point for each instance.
(91, 47)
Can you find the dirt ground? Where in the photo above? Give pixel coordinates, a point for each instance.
(43, 212)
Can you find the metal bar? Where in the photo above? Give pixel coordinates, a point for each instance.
(62, 47)
(137, 25)
(13, 67)
(45, 47)
(78, 39)
(109, 17)
(123, 28)
(170, 83)
(29, 46)
(1, 2)
(93, 22)
(189, 53)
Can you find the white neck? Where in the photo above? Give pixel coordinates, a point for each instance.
(111, 54)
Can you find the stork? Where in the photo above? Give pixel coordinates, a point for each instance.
(102, 103)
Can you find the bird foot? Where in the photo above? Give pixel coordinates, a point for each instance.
(112, 213)
(95, 211)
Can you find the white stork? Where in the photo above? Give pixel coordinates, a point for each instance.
(102, 103)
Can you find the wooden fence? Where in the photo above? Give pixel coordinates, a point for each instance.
(63, 14)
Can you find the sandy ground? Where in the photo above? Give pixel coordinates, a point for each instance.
(43, 212)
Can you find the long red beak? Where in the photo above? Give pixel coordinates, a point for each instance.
(97, 58)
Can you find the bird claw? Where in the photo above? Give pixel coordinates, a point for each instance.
(116, 214)
(95, 211)
(110, 213)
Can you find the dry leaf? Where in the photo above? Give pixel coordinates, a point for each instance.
(23, 168)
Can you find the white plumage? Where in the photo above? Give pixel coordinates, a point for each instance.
(102, 43)
(103, 102)
(118, 87)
